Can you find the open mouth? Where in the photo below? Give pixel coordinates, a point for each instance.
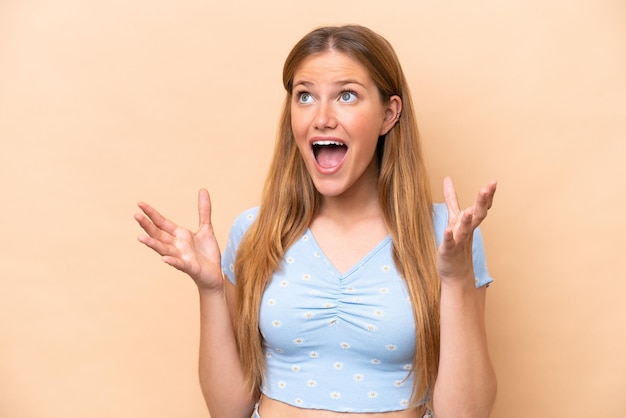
(329, 154)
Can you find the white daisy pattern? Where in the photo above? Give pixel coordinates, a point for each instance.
(337, 340)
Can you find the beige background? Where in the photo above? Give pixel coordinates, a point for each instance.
(103, 103)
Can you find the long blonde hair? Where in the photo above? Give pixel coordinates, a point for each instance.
(290, 201)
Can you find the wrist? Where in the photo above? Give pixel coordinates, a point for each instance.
(210, 291)
(461, 284)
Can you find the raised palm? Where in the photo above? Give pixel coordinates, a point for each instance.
(454, 255)
(195, 253)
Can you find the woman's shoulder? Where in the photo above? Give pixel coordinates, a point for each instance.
(249, 214)
(440, 220)
(245, 218)
(440, 208)
(440, 213)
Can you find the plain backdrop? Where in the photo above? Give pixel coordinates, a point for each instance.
(105, 103)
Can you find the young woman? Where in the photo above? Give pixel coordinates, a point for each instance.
(347, 292)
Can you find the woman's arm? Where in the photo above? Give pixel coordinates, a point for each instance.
(198, 255)
(221, 377)
(466, 382)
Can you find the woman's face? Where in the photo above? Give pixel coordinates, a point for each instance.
(337, 115)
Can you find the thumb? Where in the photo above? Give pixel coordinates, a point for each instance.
(204, 207)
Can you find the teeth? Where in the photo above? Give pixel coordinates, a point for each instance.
(322, 143)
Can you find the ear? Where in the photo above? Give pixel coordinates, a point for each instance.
(393, 109)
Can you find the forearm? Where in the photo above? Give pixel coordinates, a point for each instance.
(221, 376)
(466, 382)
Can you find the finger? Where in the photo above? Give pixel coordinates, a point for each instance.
(175, 262)
(448, 239)
(449, 195)
(484, 201)
(151, 229)
(204, 207)
(158, 246)
(158, 219)
(459, 233)
(452, 203)
(465, 229)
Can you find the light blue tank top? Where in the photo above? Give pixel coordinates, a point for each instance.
(339, 342)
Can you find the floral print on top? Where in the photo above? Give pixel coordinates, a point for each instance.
(339, 342)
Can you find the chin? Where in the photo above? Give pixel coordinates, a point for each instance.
(327, 190)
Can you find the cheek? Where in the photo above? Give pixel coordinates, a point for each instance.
(298, 127)
(299, 134)
(367, 127)
(364, 121)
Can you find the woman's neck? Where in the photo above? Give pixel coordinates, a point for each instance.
(354, 206)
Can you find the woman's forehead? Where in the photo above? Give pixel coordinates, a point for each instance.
(330, 66)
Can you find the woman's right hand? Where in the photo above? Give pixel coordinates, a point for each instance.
(195, 253)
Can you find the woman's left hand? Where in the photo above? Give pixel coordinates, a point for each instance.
(454, 255)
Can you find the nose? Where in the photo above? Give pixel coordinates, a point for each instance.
(325, 117)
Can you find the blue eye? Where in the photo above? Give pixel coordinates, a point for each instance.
(347, 96)
(305, 97)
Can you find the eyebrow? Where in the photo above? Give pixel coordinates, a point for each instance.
(336, 83)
